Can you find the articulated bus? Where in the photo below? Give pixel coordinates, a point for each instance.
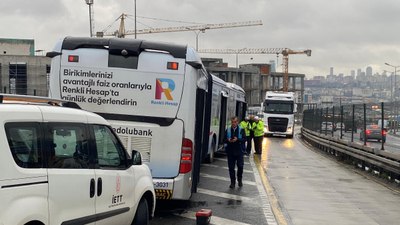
(158, 97)
(228, 100)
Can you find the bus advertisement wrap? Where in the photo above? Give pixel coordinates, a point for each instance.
(103, 91)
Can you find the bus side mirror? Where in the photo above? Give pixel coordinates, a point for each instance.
(136, 158)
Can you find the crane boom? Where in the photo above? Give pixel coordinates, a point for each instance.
(201, 27)
(284, 51)
(243, 51)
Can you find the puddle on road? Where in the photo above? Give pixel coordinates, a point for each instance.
(345, 180)
(230, 202)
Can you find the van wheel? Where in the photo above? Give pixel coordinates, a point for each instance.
(142, 213)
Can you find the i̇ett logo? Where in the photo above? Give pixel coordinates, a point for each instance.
(169, 86)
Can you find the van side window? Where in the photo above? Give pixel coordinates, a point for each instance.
(25, 144)
(68, 146)
(110, 152)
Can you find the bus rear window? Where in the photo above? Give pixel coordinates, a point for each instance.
(128, 62)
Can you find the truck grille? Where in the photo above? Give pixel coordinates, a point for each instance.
(277, 124)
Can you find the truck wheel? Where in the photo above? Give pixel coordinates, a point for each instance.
(142, 213)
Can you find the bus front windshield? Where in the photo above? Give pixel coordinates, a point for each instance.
(278, 107)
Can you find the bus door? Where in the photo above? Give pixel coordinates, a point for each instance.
(202, 124)
(207, 118)
(240, 110)
(222, 118)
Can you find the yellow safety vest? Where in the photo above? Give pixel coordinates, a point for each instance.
(246, 126)
(258, 128)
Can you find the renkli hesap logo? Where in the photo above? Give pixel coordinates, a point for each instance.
(164, 86)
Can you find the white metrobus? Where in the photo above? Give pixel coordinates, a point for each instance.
(157, 97)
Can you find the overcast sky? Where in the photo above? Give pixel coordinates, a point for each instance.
(344, 34)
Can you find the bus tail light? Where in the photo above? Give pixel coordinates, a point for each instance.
(186, 156)
(73, 58)
(367, 132)
(172, 65)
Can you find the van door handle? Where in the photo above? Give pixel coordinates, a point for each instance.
(92, 187)
(99, 186)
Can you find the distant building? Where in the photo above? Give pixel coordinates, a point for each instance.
(21, 72)
(368, 71)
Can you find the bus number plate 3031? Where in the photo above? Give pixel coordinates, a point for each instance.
(163, 189)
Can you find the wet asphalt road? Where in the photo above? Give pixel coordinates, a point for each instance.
(303, 187)
(239, 206)
(314, 189)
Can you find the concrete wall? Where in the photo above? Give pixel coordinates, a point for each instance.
(36, 73)
(17, 47)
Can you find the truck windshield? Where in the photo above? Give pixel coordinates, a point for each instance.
(278, 107)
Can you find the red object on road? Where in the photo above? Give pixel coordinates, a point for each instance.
(203, 216)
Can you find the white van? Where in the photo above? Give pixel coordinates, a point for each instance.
(61, 165)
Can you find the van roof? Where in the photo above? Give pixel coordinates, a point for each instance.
(20, 107)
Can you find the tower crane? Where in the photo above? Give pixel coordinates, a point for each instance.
(121, 32)
(285, 52)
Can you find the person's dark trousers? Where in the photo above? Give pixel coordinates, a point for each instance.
(248, 147)
(238, 160)
(243, 146)
(258, 144)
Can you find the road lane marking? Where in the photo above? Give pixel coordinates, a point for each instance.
(225, 167)
(215, 220)
(223, 195)
(226, 179)
(226, 160)
(271, 202)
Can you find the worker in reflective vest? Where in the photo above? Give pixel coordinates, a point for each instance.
(258, 127)
(246, 144)
(233, 138)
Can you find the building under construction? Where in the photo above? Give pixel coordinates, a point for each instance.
(21, 72)
(256, 79)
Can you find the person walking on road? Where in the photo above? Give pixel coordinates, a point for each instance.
(246, 126)
(258, 127)
(233, 138)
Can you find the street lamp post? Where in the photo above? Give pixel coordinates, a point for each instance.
(135, 20)
(197, 37)
(90, 3)
(394, 94)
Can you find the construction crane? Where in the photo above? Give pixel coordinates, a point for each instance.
(121, 32)
(284, 51)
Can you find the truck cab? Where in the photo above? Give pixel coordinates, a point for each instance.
(278, 113)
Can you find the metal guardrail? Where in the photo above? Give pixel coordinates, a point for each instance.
(384, 162)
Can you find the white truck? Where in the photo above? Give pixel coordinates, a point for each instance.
(278, 113)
